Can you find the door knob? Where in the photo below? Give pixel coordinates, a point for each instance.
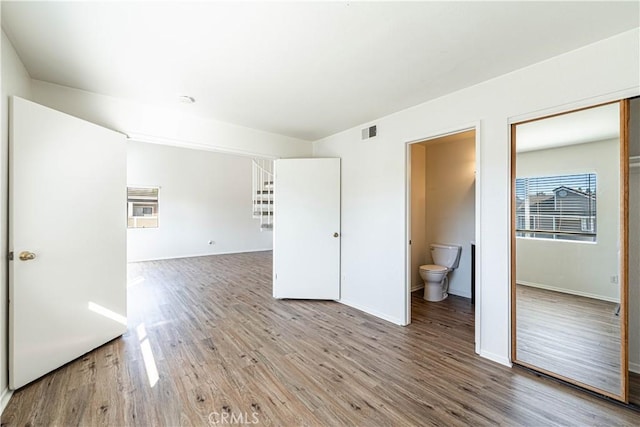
(335, 234)
(26, 256)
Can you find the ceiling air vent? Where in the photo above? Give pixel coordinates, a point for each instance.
(369, 132)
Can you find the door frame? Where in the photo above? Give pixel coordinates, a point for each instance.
(474, 126)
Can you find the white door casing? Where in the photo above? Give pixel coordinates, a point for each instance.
(306, 239)
(67, 206)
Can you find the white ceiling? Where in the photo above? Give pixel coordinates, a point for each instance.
(302, 69)
(579, 127)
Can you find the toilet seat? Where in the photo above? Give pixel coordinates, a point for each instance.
(433, 267)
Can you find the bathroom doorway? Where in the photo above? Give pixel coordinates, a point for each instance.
(441, 209)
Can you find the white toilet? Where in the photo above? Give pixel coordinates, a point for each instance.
(435, 276)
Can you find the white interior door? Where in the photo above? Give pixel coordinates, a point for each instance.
(67, 206)
(306, 239)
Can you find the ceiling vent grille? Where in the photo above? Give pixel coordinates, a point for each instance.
(369, 132)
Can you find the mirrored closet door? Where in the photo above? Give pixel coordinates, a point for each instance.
(569, 247)
(634, 251)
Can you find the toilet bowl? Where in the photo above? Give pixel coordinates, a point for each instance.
(435, 276)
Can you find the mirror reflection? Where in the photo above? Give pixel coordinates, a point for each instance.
(634, 251)
(567, 238)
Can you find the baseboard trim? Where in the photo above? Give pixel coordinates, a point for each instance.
(634, 367)
(451, 291)
(4, 399)
(567, 291)
(372, 312)
(458, 293)
(198, 255)
(496, 358)
(417, 287)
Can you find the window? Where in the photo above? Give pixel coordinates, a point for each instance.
(561, 207)
(142, 207)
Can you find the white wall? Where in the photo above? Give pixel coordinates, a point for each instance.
(419, 247)
(450, 197)
(15, 81)
(171, 126)
(203, 196)
(373, 175)
(579, 268)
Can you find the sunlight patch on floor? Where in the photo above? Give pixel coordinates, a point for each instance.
(147, 355)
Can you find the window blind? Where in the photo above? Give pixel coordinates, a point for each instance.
(557, 207)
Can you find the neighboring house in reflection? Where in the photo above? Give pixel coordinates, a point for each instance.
(566, 213)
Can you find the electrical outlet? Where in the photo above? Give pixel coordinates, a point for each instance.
(614, 279)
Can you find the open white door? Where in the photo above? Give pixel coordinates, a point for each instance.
(306, 239)
(67, 233)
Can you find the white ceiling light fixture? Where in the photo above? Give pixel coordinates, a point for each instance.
(185, 99)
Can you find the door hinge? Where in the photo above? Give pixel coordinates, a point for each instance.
(10, 256)
(409, 241)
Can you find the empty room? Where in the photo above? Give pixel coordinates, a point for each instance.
(320, 213)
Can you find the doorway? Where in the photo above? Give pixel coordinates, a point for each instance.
(441, 209)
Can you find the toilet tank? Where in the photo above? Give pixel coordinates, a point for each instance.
(445, 255)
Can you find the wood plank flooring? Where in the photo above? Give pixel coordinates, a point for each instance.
(570, 335)
(634, 388)
(224, 349)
